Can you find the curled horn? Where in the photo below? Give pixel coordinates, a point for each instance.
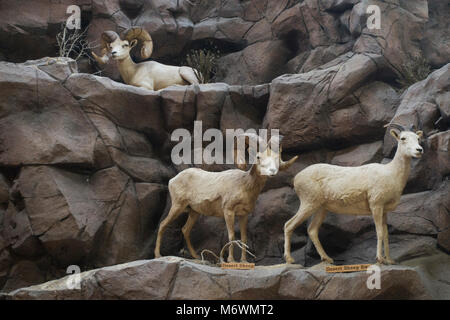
(144, 40)
(248, 138)
(107, 37)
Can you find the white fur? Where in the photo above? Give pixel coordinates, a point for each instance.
(150, 74)
(225, 194)
(372, 189)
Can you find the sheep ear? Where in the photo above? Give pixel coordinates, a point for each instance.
(420, 133)
(394, 134)
(133, 43)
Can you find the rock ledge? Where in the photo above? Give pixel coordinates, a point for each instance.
(177, 278)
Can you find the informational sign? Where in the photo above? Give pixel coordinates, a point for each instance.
(237, 265)
(347, 268)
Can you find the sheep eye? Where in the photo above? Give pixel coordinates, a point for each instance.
(403, 139)
(125, 45)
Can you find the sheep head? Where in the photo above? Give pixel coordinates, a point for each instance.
(408, 141)
(268, 158)
(119, 47)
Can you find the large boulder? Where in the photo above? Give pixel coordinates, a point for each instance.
(40, 115)
(334, 104)
(28, 29)
(425, 106)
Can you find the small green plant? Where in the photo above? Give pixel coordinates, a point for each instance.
(204, 61)
(414, 71)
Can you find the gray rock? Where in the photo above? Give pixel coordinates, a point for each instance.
(176, 278)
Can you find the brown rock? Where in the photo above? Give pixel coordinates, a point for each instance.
(330, 104)
(257, 63)
(288, 21)
(23, 274)
(38, 114)
(337, 5)
(244, 108)
(418, 108)
(127, 106)
(273, 208)
(175, 278)
(4, 189)
(418, 105)
(419, 213)
(141, 168)
(18, 234)
(178, 104)
(28, 29)
(210, 100)
(59, 67)
(70, 213)
(400, 33)
(359, 155)
(435, 43)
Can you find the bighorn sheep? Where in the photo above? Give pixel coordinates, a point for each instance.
(149, 74)
(225, 194)
(369, 189)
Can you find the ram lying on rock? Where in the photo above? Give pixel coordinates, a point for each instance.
(149, 74)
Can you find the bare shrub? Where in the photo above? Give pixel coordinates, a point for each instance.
(72, 43)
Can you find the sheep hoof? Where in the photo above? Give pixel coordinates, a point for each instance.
(289, 259)
(328, 260)
(384, 261)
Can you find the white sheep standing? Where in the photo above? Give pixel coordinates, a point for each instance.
(149, 74)
(369, 189)
(225, 194)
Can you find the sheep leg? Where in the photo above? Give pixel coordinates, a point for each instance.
(188, 75)
(313, 232)
(243, 227)
(303, 213)
(386, 240)
(377, 213)
(187, 228)
(174, 212)
(229, 220)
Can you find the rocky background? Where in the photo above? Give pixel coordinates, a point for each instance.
(85, 159)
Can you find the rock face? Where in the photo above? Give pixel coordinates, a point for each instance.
(175, 278)
(258, 40)
(85, 160)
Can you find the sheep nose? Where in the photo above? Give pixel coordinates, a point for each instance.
(114, 52)
(420, 150)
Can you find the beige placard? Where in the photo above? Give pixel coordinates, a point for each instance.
(347, 268)
(237, 265)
